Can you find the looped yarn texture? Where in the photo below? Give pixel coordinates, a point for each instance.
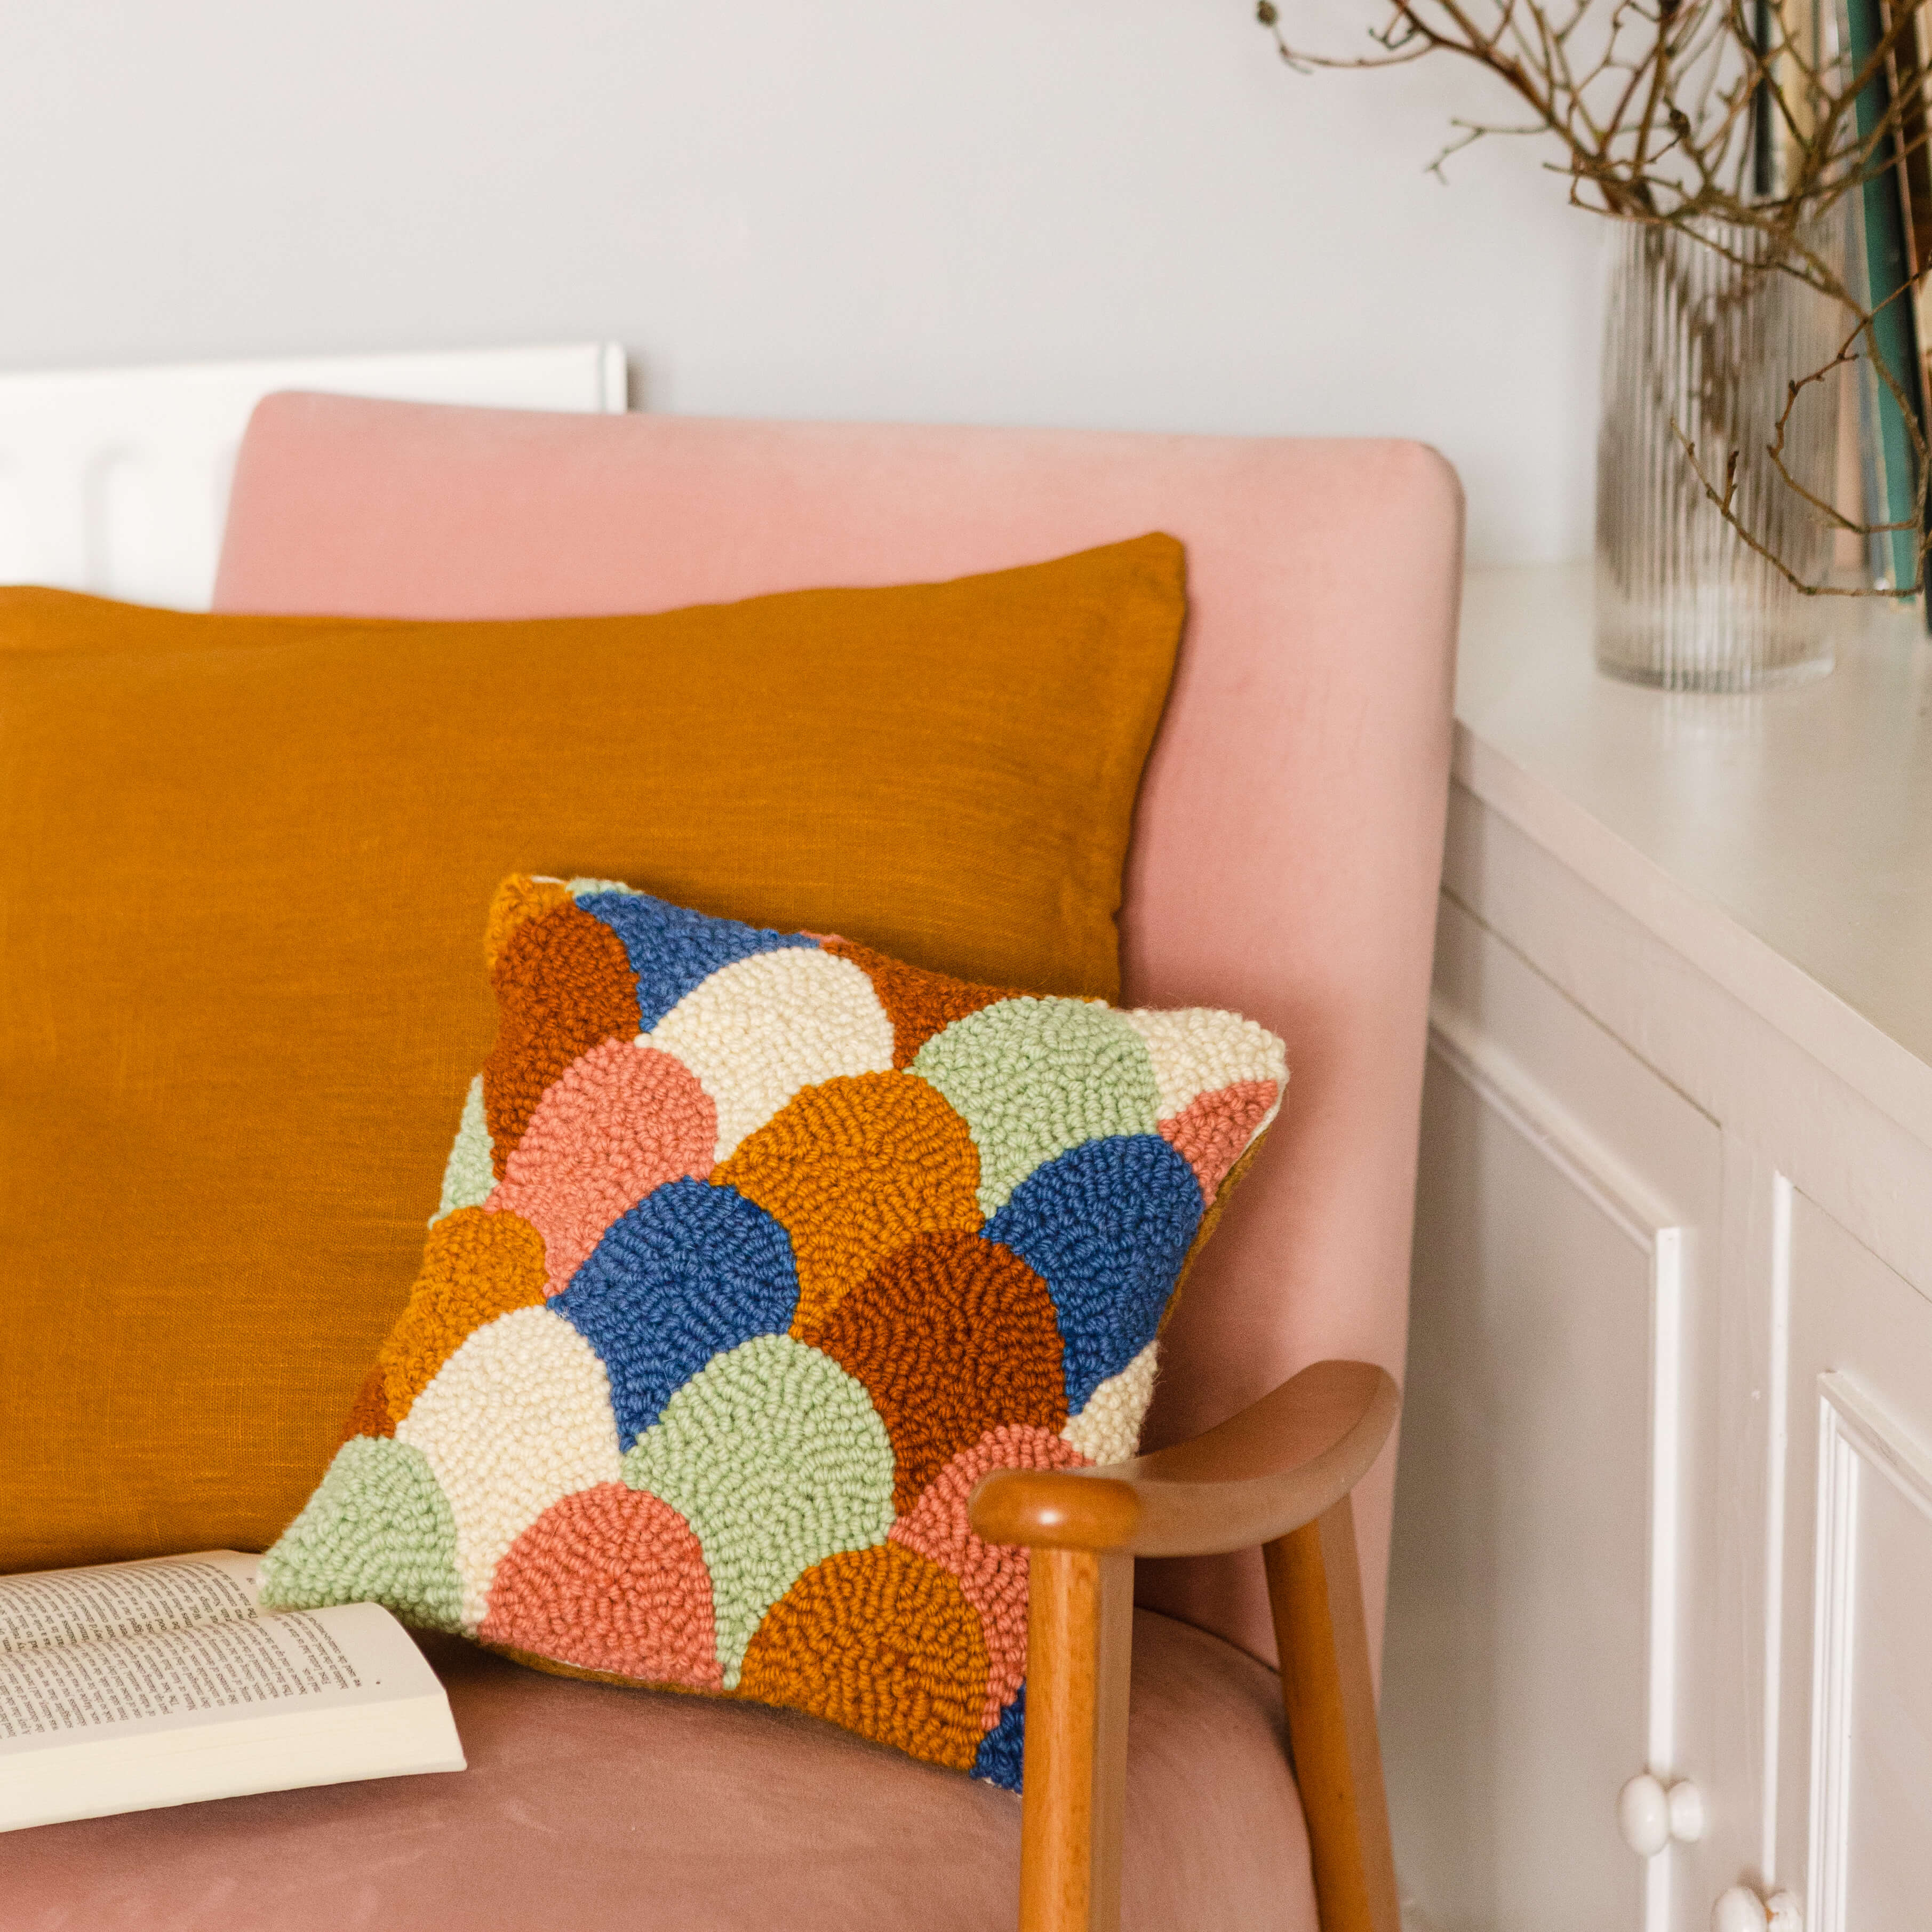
(755, 1251)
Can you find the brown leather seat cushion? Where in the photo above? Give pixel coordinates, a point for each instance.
(587, 1807)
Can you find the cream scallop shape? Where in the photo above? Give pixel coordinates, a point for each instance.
(519, 1418)
(760, 1030)
(1197, 1049)
(1109, 1429)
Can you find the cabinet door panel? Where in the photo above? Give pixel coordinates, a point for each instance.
(1530, 1665)
(1858, 1585)
(1889, 1715)
(1513, 1704)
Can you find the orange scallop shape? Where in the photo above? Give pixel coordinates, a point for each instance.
(369, 1415)
(518, 900)
(611, 1579)
(919, 1003)
(564, 985)
(992, 1576)
(478, 1265)
(853, 1169)
(950, 1335)
(881, 1641)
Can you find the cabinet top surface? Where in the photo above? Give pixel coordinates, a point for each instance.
(1781, 840)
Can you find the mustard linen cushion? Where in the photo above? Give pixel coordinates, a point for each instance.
(242, 864)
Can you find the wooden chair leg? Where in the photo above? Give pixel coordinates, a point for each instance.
(1314, 1588)
(1079, 1656)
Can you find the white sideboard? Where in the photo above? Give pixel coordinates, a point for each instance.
(1664, 1503)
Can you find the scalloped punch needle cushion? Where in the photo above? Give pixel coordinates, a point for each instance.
(756, 1250)
(243, 861)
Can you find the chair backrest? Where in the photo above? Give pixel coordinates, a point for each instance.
(1288, 836)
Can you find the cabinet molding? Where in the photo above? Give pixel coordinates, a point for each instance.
(1855, 1436)
(1777, 1458)
(1502, 1085)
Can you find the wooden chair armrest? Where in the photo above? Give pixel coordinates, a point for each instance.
(1281, 1463)
(1280, 1474)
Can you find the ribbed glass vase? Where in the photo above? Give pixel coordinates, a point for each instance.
(1698, 339)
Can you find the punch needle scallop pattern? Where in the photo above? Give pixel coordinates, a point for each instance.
(755, 1251)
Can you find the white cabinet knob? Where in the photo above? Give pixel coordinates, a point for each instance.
(1651, 1817)
(1687, 1812)
(1741, 1910)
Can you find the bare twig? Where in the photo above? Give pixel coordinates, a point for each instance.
(1663, 112)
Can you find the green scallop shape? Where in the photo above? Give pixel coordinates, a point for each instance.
(378, 1530)
(1032, 1078)
(777, 1458)
(468, 1176)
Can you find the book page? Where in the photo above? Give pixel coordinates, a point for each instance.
(253, 1662)
(48, 1607)
(130, 1648)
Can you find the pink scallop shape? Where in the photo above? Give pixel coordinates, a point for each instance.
(992, 1576)
(618, 1122)
(610, 1579)
(1209, 1132)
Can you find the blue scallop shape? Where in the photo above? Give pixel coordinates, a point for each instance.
(1002, 1750)
(674, 951)
(1106, 1226)
(691, 1271)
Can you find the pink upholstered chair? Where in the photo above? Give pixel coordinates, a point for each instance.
(1285, 861)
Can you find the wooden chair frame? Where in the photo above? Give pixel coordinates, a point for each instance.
(1280, 1474)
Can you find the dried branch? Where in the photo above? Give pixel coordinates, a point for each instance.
(1672, 113)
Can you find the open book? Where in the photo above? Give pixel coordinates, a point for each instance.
(136, 1684)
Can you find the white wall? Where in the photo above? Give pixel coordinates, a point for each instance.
(1116, 212)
